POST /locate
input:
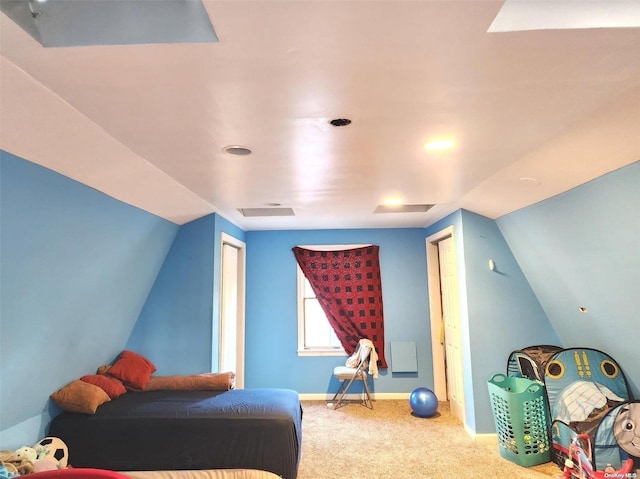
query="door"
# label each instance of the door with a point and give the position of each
(444, 312)
(231, 339)
(451, 321)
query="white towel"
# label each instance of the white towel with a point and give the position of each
(580, 398)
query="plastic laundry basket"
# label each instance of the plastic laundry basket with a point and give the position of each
(522, 419)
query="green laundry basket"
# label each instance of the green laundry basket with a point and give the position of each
(522, 419)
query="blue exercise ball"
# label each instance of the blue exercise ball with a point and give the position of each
(423, 402)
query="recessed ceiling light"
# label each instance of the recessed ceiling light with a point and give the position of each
(530, 181)
(237, 150)
(340, 122)
(392, 201)
(439, 145)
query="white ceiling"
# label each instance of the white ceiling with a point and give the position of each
(147, 123)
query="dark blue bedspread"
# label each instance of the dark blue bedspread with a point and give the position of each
(169, 430)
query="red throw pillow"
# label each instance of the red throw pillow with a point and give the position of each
(132, 369)
(113, 387)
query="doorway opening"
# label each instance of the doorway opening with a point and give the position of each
(232, 308)
(446, 337)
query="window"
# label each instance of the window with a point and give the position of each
(315, 335)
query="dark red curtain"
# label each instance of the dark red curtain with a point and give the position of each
(347, 285)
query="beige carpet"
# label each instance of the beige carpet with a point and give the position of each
(388, 442)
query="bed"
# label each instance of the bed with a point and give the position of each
(208, 474)
(90, 473)
(187, 430)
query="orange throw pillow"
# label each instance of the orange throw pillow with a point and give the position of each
(79, 396)
(132, 369)
(113, 387)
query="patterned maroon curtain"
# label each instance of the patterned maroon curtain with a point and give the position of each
(347, 285)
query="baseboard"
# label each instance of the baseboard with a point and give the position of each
(374, 396)
(482, 438)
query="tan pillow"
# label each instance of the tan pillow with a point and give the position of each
(195, 382)
(80, 396)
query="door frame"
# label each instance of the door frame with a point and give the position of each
(226, 239)
(435, 313)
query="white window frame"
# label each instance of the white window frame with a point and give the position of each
(303, 350)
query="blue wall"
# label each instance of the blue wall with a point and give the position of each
(271, 310)
(503, 309)
(77, 266)
(178, 326)
(499, 311)
(582, 249)
(175, 323)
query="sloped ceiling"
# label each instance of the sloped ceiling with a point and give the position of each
(532, 113)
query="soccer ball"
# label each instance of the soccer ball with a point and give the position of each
(54, 449)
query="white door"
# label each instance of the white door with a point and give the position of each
(231, 340)
(451, 321)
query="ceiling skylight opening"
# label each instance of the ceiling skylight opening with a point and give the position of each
(440, 144)
(75, 23)
(525, 15)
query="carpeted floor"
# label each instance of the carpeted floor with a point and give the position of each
(388, 442)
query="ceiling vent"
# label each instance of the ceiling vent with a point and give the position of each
(257, 212)
(403, 208)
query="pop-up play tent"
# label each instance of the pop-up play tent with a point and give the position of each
(594, 421)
